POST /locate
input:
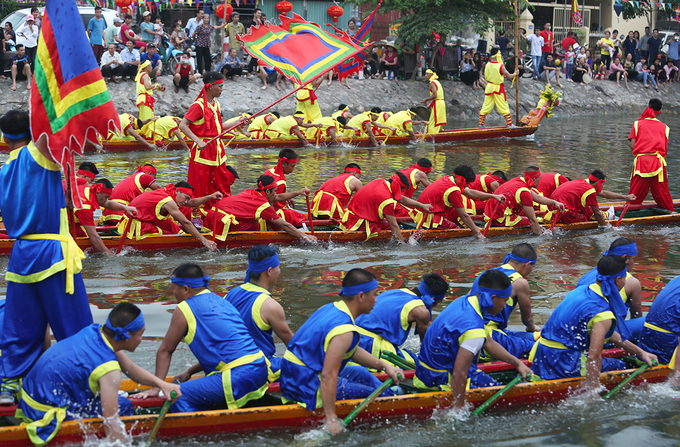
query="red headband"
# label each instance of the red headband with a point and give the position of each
(172, 190)
(460, 180)
(87, 174)
(99, 188)
(425, 170)
(352, 171)
(530, 176)
(498, 179)
(396, 187)
(147, 170)
(272, 185)
(203, 94)
(599, 181)
(648, 113)
(187, 191)
(279, 166)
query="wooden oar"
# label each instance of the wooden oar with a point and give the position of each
(491, 219)
(309, 215)
(124, 235)
(161, 416)
(636, 373)
(557, 217)
(623, 213)
(498, 395)
(386, 384)
(400, 362)
(215, 223)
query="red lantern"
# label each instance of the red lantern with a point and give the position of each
(220, 11)
(283, 7)
(123, 5)
(335, 11)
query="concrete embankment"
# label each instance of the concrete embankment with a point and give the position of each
(463, 103)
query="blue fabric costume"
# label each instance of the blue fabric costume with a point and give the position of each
(460, 321)
(303, 361)
(236, 370)
(248, 299)
(44, 284)
(662, 325)
(561, 352)
(64, 383)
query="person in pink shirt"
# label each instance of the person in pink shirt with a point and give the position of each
(616, 72)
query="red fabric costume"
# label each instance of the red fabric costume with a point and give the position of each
(289, 215)
(577, 196)
(85, 215)
(124, 192)
(509, 213)
(247, 211)
(481, 183)
(549, 183)
(150, 220)
(369, 207)
(410, 189)
(444, 195)
(332, 197)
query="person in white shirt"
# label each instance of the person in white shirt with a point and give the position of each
(130, 57)
(27, 35)
(193, 23)
(111, 64)
(537, 43)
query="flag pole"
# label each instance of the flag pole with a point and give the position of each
(517, 61)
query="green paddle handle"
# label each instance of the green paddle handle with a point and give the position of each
(161, 416)
(398, 361)
(636, 373)
(498, 395)
(386, 384)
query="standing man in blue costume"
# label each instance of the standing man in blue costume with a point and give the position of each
(572, 340)
(661, 329)
(448, 355)
(631, 293)
(389, 323)
(61, 388)
(517, 265)
(314, 372)
(235, 368)
(44, 284)
(261, 313)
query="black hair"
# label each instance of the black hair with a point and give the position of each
(149, 165)
(494, 279)
(342, 120)
(436, 284)
(414, 110)
(211, 76)
(655, 104)
(656, 29)
(532, 168)
(525, 250)
(276, 114)
(376, 110)
(424, 163)
(357, 276)
(121, 315)
(620, 241)
(18, 46)
(501, 33)
(260, 253)
(175, 25)
(257, 9)
(89, 167)
(610, 265)
(265, 180)
(96, 8)
(106, 183)
(299, 113)
(199, 11)
(353, 165)
(128, 16)
(500, 175)
(34, 9)
(188, 270)
(402, 177)
(342, 106)
(494, 51)
(287, 153)
(466, 172)
(233, 171)
(15, 122)
(10, 26)
(598, 174)
(615, 31)
(184, 184)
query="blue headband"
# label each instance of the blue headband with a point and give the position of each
(425, 291)
(19, 136)
(484, 294)
(514, 257)
(123, 333)
(191, 282)
(616, 304)
(359, 288)
(261, 266)
(623, 250)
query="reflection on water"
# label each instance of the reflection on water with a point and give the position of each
(311, 276)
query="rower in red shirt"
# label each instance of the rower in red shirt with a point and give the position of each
(487, 183)
(92, 197)
(446, 196)
(376, 201)
(128, 189)
(283, 203)
(85, 175)
(580, 199)
(649, 142)
(549, 182)
(202, 122)
(331, 199)
(157, 209)
(417, 175)
(250, 211)
(518, 209)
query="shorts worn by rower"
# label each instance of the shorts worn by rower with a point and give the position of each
(235, 368)
(448, 354)
(163, 130)
(314, 371)
(59, 389)
(333, 196)
(129, 188)
(283, 201)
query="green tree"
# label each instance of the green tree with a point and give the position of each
(7, 7)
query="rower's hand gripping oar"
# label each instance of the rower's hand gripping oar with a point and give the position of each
(623, 213)
(636, 373)
(362, 406)
(498, 395)
(161, 416)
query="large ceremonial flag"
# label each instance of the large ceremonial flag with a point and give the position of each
(299, 50)
(356, 64)
(69, 98)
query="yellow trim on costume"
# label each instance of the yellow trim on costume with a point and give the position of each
(657, 328)
(408, 307)
(288, 355)
(472, 333)
(474, 301)
(585, 196)
(379, 343)
(343, 307)
(58, 413)
(225, 370)
(658, 172)
(671, 365)
(191, 322)
(338, 330)
(39, 158)
(602, 316)
(100, 371)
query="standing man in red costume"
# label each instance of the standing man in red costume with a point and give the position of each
(518, 209)
(128, 189)
(283, 202)
(494, 73)
(208, 172)
(332, 198)
(649, 142)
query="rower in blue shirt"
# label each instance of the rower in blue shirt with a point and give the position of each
(448, 355)
(235, 368)
(261, 313)
(79, 378)
(632, 290)
(314, 372)
(517, 265)
(572, 340)
(662, 324)
(396, 311)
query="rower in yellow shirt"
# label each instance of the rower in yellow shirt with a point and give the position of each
(330, 127)
(260, 125)
(403, 122)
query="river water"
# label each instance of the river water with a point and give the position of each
(311, 276)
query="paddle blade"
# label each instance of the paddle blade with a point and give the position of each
(498, 395)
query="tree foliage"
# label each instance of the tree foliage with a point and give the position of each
(7, 7)
(631, 11)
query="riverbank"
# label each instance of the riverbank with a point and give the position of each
(463, 103)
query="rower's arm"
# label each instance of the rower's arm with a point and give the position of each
(633, 349)
(421, 177)
(598, 333)
(598, 215)
(96, 240)
(338, 346)
(286, 196)
(421, 317)
(109, 384)
(495, 350)
(394, 228)
(614, 195)
(198, 201)
(521, 289)
(154, 186)
(364, 358)
(173, 210)
(459, 377)
(117, 206)
(406, 201)
(301, 137)
(290, 229)
(634, 294)
(355, 184)
(467, 220)
(180, 138)
(140, 138)
(140, 375)
(481, 195)
(546, 201)
(369, 132)
(272, 313)
(531, 215)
